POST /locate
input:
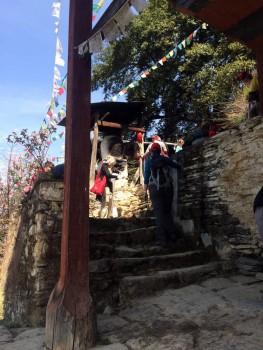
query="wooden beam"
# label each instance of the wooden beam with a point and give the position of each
(120, 126)
(94, 153)
(113, 8)
(259, 56)
(70, 316)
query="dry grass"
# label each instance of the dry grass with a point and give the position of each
(235, 112)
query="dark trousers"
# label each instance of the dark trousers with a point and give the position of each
(162, 206)
(253, 109)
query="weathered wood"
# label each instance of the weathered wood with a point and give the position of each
(135, 178)
(141, 163)
(260, 79)
(111, 200)
(120, 126)
(94, 153)
(167, 143)
(70, 317)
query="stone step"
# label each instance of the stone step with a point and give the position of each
(148, 265)
(136, 286)
(129, 238)
(100, 250)
(97, 225)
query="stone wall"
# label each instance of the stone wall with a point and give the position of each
(216, 189)
(33, 269)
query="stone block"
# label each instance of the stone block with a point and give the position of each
(99, 266)
(187, 226)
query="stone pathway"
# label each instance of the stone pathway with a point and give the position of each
(221, 313)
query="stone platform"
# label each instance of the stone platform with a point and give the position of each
(218, 314)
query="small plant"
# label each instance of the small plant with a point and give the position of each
(35, 145)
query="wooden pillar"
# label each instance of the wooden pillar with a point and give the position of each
(141, 160)
(94, 151)
(70, 316)
(259, 57)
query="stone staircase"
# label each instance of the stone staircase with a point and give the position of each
(126, 264)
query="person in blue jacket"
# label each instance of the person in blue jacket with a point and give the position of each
(158, 181)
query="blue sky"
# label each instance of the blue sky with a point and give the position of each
(27, 46)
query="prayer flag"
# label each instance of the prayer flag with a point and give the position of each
(124, 16)
(56, 12)
(111, 31)
(139, 5)
(59, 61)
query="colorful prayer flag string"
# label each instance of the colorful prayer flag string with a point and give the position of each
(170, 54)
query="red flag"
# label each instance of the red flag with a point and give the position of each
(49, 112)
(60, 91)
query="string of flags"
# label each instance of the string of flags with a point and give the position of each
(171, 54)
(114, 28)
(59, 85)
(58, 159)
(52, 118)
(96, 8)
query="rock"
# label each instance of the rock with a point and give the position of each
(206, 239)
(5, 335)
(249, 261)
(116, 346)
(109, 310)
(126, 251)
(107, 323)
(259, 276)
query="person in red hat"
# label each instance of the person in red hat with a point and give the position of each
(251, 92)
(156, 139)
(139, 137)
(158, 181)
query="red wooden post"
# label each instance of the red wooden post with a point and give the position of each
(70, 316)
(259, 57)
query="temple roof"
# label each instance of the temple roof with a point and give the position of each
(239, 20)
(118, 112)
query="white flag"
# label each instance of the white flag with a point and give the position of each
(56, 27)
(59, 46)
(83, 48)
(56, 5)
(111, 31)
(56, 12)
(59, 61)
(124, 16)
(95, 43)
(139, 5)
(57, 74)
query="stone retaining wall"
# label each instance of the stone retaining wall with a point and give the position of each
(216, 190)
(218, 185)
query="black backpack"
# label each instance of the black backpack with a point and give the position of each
(160, 176)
